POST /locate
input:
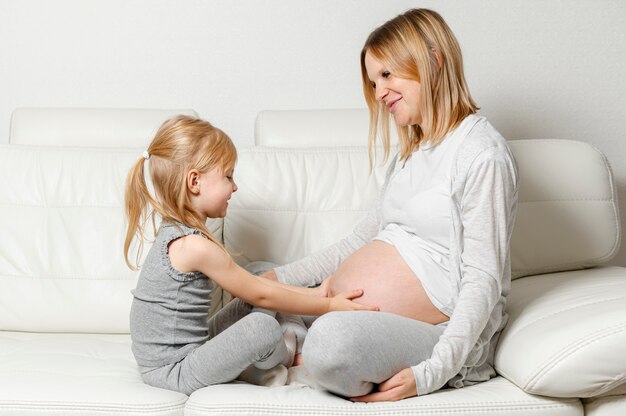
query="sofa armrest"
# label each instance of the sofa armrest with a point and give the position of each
(566, 335)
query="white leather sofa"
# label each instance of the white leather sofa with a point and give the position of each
(65, 291)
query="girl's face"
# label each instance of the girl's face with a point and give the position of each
(399, 95)
(215, 188)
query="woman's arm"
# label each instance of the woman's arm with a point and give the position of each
(488, 207)
(487, 211)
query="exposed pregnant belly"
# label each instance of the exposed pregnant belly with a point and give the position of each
(387, 282)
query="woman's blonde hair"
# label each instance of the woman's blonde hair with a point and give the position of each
(418, 45)
(181, 144)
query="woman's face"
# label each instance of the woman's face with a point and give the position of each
(399, 95)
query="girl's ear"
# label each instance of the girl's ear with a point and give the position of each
(193, 182)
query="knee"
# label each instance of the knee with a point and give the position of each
(333, 357)
(327, 349)
(263, 327)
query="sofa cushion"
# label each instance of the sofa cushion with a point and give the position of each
(312, 128)
(292, 202)
(567, 217)
(77, 374)
(496, 397)
(566, 335)
(61, 253)
(605, 406)
(95, 127)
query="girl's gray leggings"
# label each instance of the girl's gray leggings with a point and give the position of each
(239, 338)
(348, 352)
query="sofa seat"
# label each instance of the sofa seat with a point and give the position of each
(95, 374)
(76, 374)
(494, 398)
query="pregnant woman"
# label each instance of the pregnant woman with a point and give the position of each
(433, 254)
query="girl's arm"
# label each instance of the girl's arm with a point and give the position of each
(195, 253)
(309, 291)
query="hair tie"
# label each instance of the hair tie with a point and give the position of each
(146, 155)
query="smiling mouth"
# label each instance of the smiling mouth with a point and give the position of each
(392, 105)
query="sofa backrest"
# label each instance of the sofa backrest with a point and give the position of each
(292, 202)
(92, 127)
(62, 222)
(61, 216)
(296, 199)
(314, 128)
(567, 216)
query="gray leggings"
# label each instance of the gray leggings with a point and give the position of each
(239, 338)
(348, 352)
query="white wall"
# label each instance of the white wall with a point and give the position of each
(537, 68)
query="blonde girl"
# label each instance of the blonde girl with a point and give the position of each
(176, 345)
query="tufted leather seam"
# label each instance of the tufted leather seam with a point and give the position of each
(121, 279)
(550, 201)
(563, 267)
(89, 406)
(297, 211)
(608, 399)
(457, 408)
(615, 383)
(577, 306)
(299, 151)
(117, 375)
(557, 358)
(50, 206)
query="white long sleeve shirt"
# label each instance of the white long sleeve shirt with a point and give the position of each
(416, 217)
(483, 200)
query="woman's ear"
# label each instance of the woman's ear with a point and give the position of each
(193, 181)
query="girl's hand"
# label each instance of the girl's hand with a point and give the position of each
(343, 302)
(399, 386)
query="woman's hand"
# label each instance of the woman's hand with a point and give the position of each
(400, 386)
(270, 274)
(343, 302)
(323, 289)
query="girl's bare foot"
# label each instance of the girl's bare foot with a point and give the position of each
(298, 360)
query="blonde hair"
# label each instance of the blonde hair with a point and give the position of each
(418, 45)
(181, 144)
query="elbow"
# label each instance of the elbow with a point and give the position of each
(262, 297)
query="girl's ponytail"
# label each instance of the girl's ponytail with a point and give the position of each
(136, 200)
